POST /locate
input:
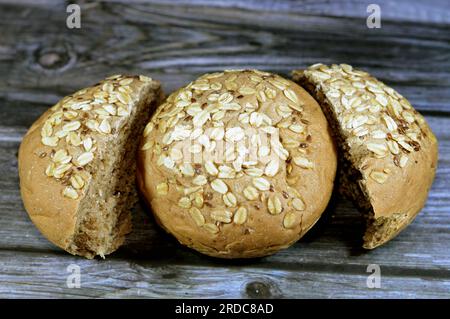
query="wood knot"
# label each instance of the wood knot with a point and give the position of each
(54, 58)
(50, 60)
(256, 289)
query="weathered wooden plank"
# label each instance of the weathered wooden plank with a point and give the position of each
(177, 43)
(434, 11)
(38, 275)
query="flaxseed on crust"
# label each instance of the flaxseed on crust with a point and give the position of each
(388, 152)
(237, 163)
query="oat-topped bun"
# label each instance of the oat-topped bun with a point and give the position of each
(238, 163)
(77, 164)
(389, 154)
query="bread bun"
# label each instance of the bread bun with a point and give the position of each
(388, 152)
(77, 164)
(237, 164)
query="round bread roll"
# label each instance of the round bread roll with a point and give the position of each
(77, 164)
(388, 152)
(237, 164)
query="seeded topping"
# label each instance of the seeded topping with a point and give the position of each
(261, 183)
(240, 216)
(197, 216)
(223, 216)
(74, 125)
(84, 159)
(50, 140)
(70, 192)
(219, 186)
(229, 199)
(371, 116)
(185, 202)
(290, 220)
(298, 204)
(251, 193)
(211, 228)
(379, 177)
(274, 205)
(303, 162)
(77, 181)
(162, 189)
(225, 137)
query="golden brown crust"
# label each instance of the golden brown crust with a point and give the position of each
(241, 208)
(398, 201)
(54, 179)
(53, 214)
(384, 138)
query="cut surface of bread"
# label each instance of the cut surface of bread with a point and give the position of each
(388, 153)
(77, 164)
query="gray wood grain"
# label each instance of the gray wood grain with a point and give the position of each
(29, 275)
(175, 41)
(432, 11)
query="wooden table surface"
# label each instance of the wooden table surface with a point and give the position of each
(41, 60)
